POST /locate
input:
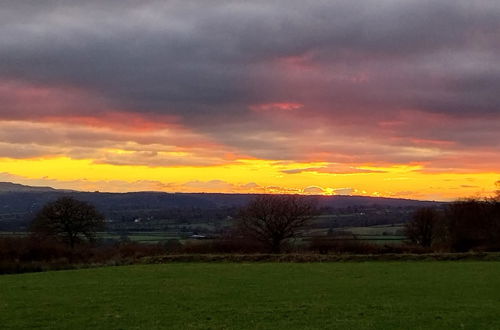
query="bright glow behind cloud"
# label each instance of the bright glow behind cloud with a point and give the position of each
(378, 97)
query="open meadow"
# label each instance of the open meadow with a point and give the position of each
(343, 295)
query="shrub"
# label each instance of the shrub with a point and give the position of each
(325, 245)
(225, 245)
(20, 254)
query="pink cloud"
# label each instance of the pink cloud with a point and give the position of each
(278, 106)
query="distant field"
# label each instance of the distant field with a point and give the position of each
(141, 237)
(382, 234)
(369, 295)
(12, 234)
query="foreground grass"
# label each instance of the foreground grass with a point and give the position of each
(365, 295)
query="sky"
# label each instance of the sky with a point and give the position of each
(394, 98)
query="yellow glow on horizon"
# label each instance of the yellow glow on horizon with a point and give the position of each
(405, 181)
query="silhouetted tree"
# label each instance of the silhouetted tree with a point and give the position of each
(422, 228)
(69, 220)
(274, 219)
(471, 224)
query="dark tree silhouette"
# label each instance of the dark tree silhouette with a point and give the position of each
(421, 229)
(274, 219)
(69, 220)
(471, 224)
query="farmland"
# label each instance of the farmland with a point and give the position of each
(381, 234)
(349, 295)
(159, 217)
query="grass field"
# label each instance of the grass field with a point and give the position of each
(152, 237)
(384, 234)
(369, 295)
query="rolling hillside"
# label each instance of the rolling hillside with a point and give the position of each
(18, 203)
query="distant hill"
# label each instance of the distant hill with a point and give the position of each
(18, 203)
(178, 200)
(15, 187)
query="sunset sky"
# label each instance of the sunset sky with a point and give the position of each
(378, 98)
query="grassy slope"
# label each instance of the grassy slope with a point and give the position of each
(370, 295)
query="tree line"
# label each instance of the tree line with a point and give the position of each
(461, 226)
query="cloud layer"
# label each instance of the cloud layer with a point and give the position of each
(197, 83)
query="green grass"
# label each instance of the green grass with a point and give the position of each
(13, 234)
(140, 237)
(375, 230)
(370, 295)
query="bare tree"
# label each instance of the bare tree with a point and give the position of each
(275, 219)
(68, 219)
(421, 229)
